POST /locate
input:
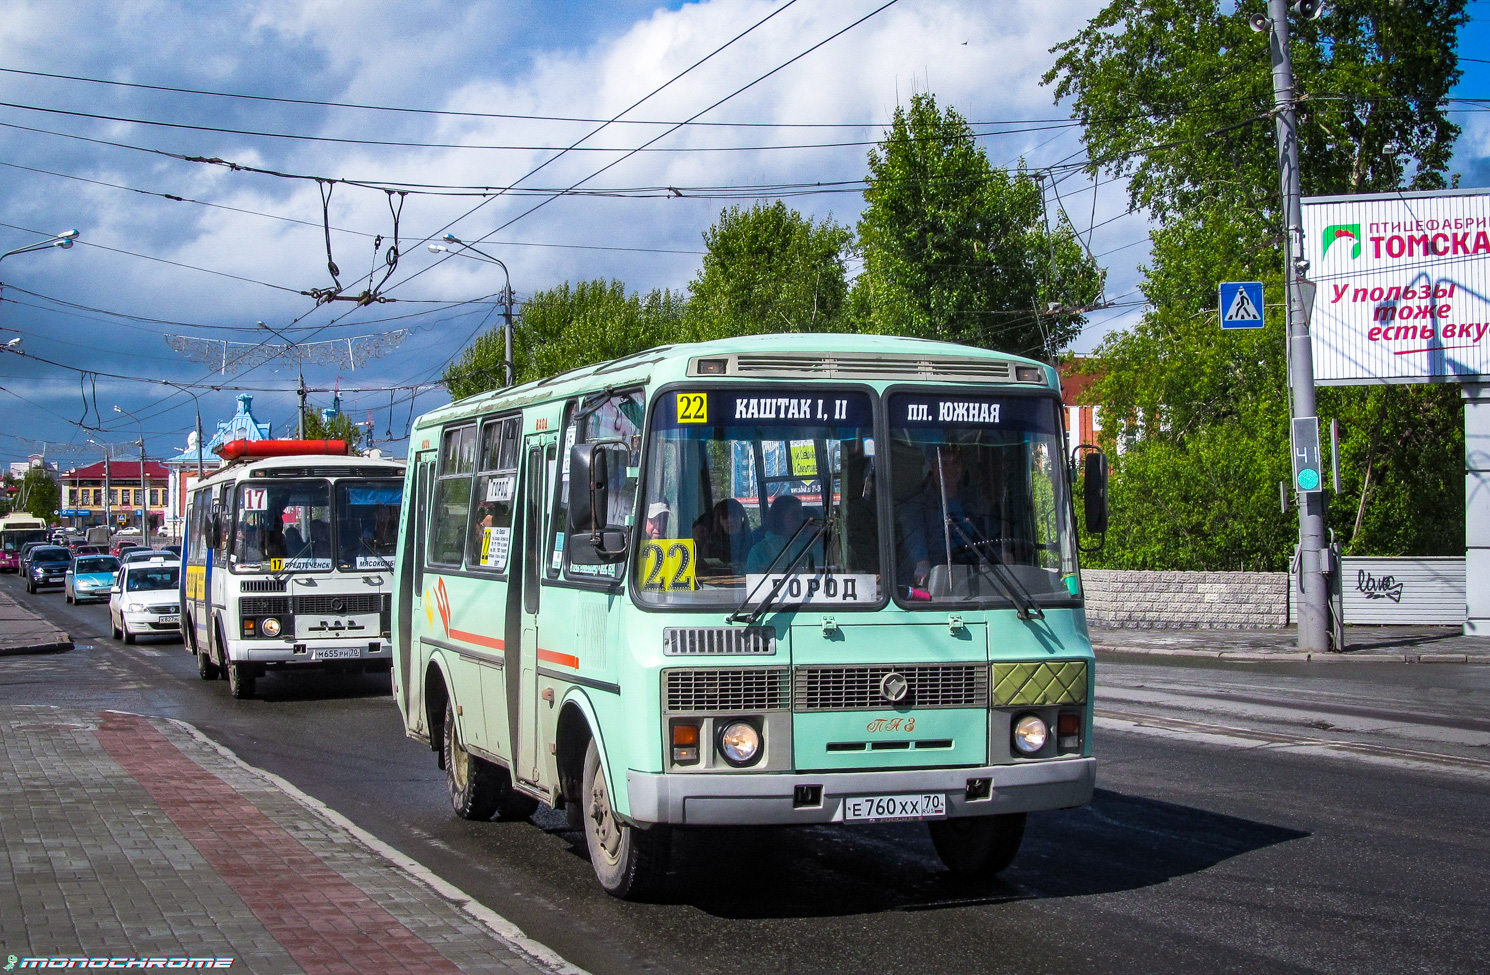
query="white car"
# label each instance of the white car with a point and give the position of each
(146, 599)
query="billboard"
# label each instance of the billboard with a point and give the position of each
(1404, 287)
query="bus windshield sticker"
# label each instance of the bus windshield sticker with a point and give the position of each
(494, 546)
(812, 588)
(501, 488)
(970, 412)
(804, 458)
(374, 562)
(668, 565)
(255, 499)
(299, 565)
(693, 407)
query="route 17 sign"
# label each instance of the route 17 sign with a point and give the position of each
(1241, 304)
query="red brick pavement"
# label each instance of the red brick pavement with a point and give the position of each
(328, 925)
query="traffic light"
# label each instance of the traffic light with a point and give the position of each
(1307, 473)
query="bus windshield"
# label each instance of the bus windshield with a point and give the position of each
(367, 523)
(13, 538)
(746, 486)
(977, 487)
(289, 520)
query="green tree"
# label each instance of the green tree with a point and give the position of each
(1175, 96)
(41, 494)
(339, 427)
(565, 327)
(769, 269)
(957, 250)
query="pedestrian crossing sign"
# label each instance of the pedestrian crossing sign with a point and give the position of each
(1241, 304)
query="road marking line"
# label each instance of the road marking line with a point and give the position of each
(1230, 737)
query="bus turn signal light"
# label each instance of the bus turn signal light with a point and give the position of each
(1068, 732)
(685, 744)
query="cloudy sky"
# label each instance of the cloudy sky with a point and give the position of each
(201, 215)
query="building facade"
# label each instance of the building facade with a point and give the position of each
(110, 492)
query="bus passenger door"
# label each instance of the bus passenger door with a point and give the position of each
(408, 650)
(522, 673)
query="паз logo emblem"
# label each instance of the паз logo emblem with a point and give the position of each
(894, 687)
(1342, 231)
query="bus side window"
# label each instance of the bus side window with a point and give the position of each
(489, 535)
(557, 525)
(452, 503)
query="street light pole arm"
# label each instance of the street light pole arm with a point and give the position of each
(63, 240)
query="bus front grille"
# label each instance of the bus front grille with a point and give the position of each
(264, 585)
(264, 606)
(342, 604)
(910, 367)
(719, 689)
(687, 641)
(850, 688)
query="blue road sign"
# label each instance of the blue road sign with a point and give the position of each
(1241, 304)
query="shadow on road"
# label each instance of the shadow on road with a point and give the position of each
(1119, 842)
(317, 685)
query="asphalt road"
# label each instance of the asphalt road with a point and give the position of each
(1279, 818)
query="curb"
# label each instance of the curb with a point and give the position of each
(58, 646)
(1295, 656)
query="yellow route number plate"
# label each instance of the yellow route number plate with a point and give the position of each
(276, 565)
(693, 407)
(668, 565)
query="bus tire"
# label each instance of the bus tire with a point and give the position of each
(241, 679)
(978, 846)
(475, 785)
(206, 668)
(513, 806)
(629, 862)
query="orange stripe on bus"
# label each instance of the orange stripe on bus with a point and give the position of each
(479, 640)
(554, 657)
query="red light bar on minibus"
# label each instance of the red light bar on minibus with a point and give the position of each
(236, 449)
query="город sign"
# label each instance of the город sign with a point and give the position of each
(1404, 286)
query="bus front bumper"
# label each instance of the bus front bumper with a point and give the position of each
(306, 653)
(770, 799)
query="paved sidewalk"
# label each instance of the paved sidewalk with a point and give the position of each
(22, 631)
(1400, 644)
(134, 837)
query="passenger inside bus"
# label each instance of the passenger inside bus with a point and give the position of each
(723, 535)
(783, 520)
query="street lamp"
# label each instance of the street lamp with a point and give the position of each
(509, 371)
(63, 240)
(108, 487)
(144, 481)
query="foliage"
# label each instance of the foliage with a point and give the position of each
(1175, 96)
(41, 493)
(566, 327)
(957, 250)
(339, 427)
(768, 269)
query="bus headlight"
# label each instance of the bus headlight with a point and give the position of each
(270, 627)
(740, 743)
(1030, 734)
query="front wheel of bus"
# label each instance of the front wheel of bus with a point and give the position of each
(475, 785)
(978, 846)
(629, 862)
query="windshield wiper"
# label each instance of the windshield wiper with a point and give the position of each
(770, 597)
(1025, 606)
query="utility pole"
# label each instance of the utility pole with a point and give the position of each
(1313, 561)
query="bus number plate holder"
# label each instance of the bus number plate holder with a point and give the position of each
(880, 809)
(338, 653)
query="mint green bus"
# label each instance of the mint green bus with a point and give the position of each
(775, 580)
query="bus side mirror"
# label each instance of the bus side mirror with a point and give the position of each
(589, 488)
(1094, 470)
(589, 541)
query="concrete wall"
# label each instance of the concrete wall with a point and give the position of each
(1185, 599)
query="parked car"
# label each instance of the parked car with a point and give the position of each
(144, 599)
(119, 542)
(25, 550)
(89, 578)
(45, 566)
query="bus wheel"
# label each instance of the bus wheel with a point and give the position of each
(629, 862)
(977, 846)
(241, 679)
(513, 806)
(206, 669)
(476, 786)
